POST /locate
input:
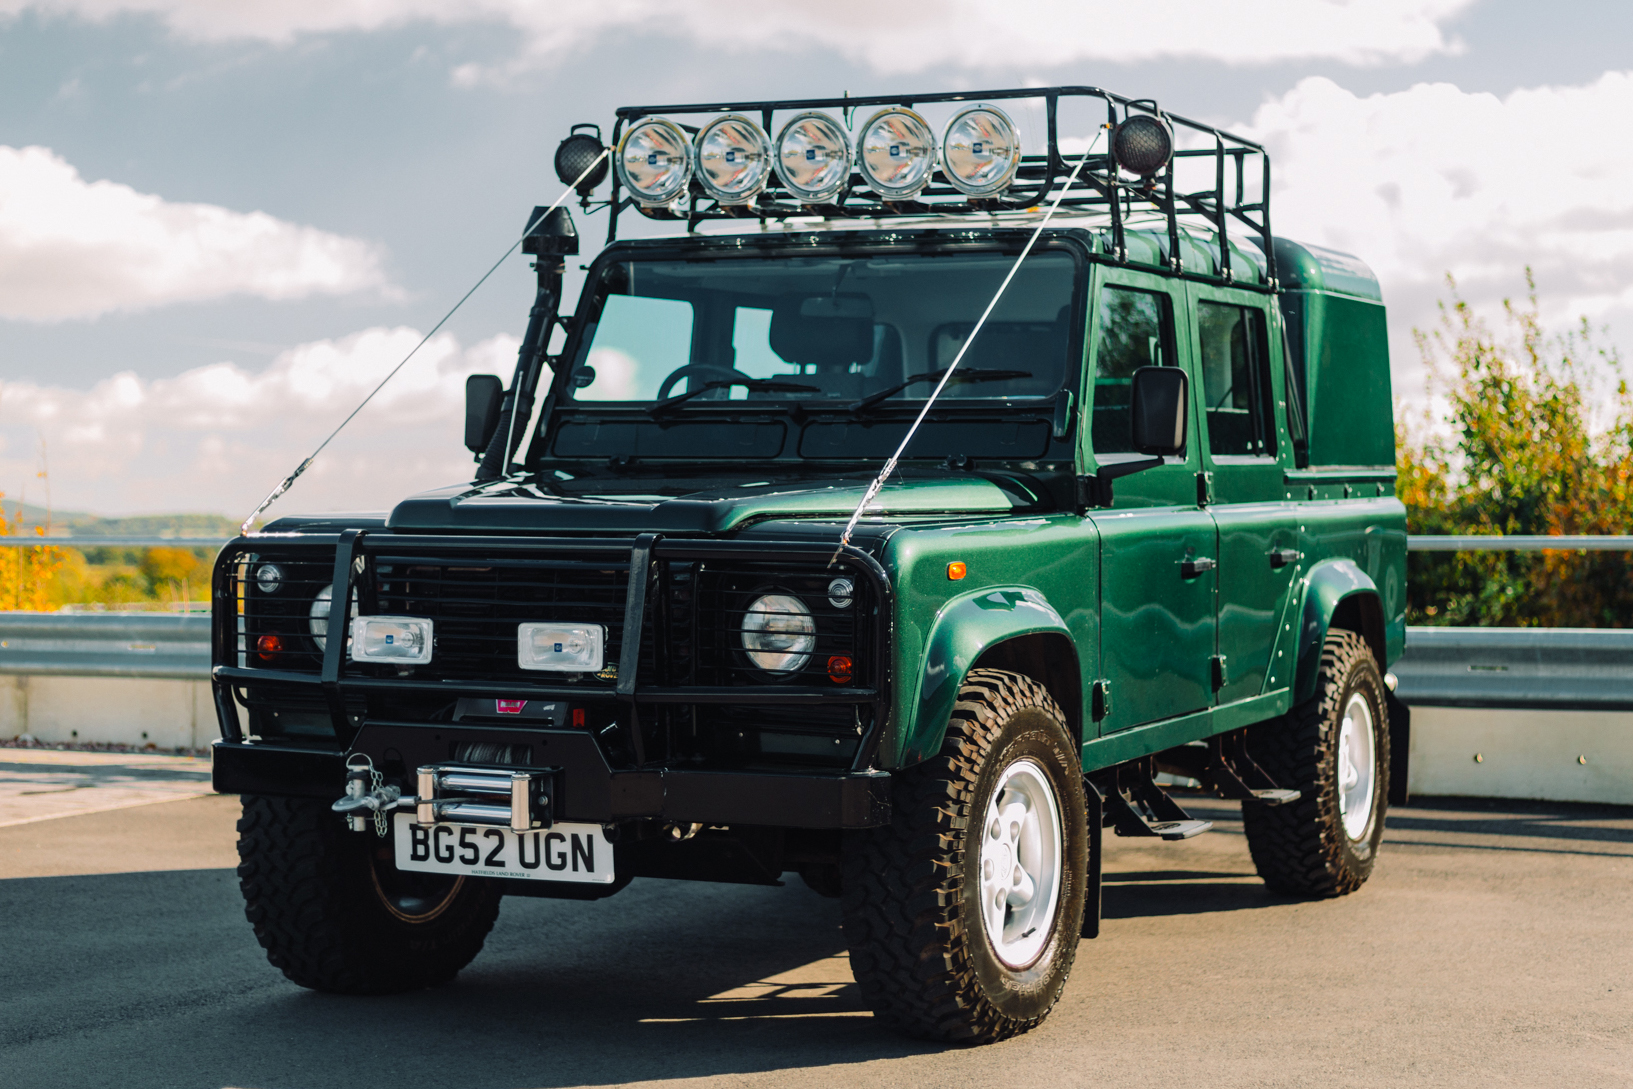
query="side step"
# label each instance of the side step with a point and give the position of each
(1224, 765)
(1137, 806)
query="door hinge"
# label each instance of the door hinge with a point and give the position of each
(1100, 700)
(1204, 489)
(1221, 676)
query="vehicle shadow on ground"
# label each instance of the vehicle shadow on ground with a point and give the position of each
(154, 979)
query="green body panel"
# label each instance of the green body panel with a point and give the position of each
(1181, 659)
(1022, 576)
(1340, 346)
(965, 628)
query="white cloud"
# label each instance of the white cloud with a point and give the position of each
(74, 249)
(219, 437)
(1433, 180)
(889, 38)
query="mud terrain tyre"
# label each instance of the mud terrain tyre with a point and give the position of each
(962, 914)
(334, 914)
(1335, 749)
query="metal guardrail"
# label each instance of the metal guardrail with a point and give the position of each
(159, 646)
(1473, 542)
(1464, 542)
(1575, 669)
(1559, 668)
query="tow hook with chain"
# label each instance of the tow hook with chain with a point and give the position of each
(365, 790)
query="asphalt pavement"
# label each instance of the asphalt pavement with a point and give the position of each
(1491, 948)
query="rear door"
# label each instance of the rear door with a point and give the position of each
(1157, 543)
(1244, 445)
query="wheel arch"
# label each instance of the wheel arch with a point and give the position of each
(1337, 594)
(1000, 627)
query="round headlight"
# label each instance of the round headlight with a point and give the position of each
(778, 633)
(896, 153)
(733, 159)
(980, 151)
(1142, 144)
(268, 577)
(655, 162)
(318, 615)
(813, 158)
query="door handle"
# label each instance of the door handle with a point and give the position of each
(1281, 557)
(1197, 565)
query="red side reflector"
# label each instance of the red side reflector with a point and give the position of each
(840, 669)
(578, 716)
(269, 646)
(509, 707)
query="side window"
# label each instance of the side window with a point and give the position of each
(1236, 380)
(637, 342)
(1136, 329)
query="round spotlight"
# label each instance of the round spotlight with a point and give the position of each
(574, 156)
(896, 153)
(980, 151)
(655, 162)
(1142, 144)
(813, 158)
(733, 159)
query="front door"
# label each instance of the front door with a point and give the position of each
(1157, 543)
(1245, 443)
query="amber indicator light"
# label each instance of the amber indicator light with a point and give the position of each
(269, 646)
(956, 570)
(840, 669)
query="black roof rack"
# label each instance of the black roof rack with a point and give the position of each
(1100, 188)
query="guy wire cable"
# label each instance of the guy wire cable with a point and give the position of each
(890, 466)
(273, 496)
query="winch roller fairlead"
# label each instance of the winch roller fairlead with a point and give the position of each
(452, 794)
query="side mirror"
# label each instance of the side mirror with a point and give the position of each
(483, 395)
(1159, 410)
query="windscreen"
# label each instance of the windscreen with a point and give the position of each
(829, 329)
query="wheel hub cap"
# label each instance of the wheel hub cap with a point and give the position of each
(1357, 767)
(1020, 863)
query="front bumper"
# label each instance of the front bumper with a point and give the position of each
(590, 791)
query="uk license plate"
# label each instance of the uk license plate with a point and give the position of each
(562, 852)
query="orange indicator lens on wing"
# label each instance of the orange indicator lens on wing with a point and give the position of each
(956, 570)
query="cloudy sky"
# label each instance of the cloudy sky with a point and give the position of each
(220, 223)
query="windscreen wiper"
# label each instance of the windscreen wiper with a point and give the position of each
(968, 374)
(755, 385)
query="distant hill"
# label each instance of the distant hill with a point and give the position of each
(80, 524)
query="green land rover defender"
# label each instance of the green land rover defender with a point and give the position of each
(1143, 532)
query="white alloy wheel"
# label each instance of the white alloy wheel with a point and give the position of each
(1020, 863)
(1357, 767)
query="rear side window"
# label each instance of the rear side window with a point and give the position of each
(1236, 380)
(1136, 329)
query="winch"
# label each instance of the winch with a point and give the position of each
(520, 799)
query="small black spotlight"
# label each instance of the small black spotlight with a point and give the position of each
(574, 156)
(1142, 144)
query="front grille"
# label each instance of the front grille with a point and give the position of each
(477, 604)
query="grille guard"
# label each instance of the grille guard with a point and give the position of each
(353, 545)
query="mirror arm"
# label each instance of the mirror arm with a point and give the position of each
(1096, 490)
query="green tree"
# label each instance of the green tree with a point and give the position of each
(1539, 440)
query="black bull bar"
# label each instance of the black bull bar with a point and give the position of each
(592, 788)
